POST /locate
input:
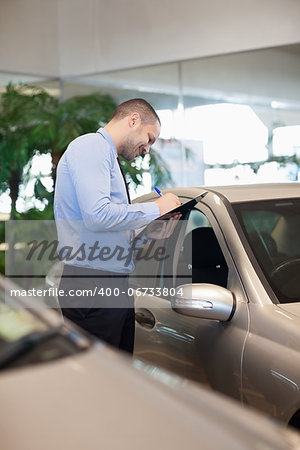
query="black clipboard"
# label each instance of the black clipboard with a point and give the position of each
(184, 208)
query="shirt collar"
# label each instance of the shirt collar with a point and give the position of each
(108, 137)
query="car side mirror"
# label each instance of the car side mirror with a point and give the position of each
(206, 301)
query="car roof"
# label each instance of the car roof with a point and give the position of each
(239, 192)
(263, 191)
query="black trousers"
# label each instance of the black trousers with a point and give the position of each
(99, 302)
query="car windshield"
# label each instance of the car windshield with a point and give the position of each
(272, 230)
(27, 339)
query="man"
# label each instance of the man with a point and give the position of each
(95, 221)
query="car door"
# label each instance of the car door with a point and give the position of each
(208, 351)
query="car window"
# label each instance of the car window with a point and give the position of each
(264, 221)
(193, 256)
(192, 252)
(196, 219)
(152, 253)
(272, 230)
(17, 324)
(200, 258)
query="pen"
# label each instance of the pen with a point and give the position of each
(158, 191)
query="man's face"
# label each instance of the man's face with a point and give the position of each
(139, 140)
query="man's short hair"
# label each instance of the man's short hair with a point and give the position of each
(145, 110)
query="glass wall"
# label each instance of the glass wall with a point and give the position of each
(225, 119)
(236, 106)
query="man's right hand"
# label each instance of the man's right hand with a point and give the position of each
(167, 202)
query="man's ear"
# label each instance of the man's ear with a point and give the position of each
(133, 119)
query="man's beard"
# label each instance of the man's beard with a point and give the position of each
(127, 149)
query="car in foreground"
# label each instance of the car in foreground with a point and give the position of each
(224, 308)
(59, 388)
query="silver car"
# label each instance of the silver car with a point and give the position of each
(60, 389)
(224, 308)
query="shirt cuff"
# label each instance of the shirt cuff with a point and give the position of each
(151, 209)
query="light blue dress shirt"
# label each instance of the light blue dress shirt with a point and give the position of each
(94, 221)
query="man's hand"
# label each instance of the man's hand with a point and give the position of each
(167, 202)
(162, 229)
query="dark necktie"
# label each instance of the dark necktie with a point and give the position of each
(123, 175)
(128, 196)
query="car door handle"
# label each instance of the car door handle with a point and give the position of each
(145, 318)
